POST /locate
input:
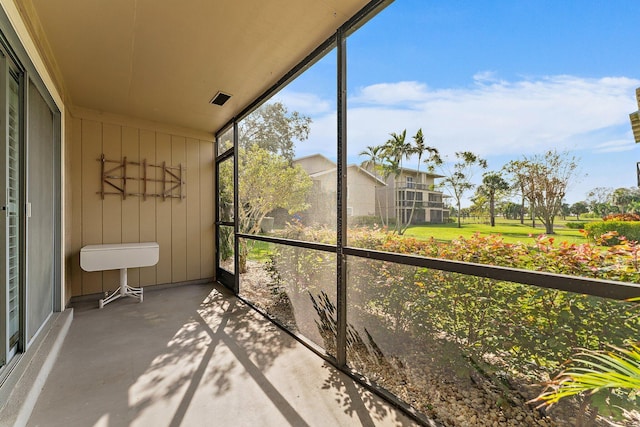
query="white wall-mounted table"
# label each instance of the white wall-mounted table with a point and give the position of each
(120, 256)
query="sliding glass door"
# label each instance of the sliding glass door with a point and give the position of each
(10, 217)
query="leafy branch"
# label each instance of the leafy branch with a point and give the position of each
(593, 371)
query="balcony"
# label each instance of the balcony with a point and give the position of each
(420, 204)
(195, 355)
(449, 337)
(192, 353)
(404, 185)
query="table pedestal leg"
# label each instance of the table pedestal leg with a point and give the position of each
(123, 291)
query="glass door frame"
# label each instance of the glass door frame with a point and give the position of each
(227, 278)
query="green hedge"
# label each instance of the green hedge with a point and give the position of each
(576, 225)
(628, 229)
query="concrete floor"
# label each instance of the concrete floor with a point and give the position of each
(195, 356)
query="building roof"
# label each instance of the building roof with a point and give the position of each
(353, 166)
(366, 172)
(311, 156)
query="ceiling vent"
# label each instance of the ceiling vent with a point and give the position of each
(220, 98)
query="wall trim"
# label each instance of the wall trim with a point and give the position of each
(147, 288)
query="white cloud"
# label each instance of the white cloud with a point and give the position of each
(494, 117)
(322, 138)
(308, 104)
(491, 117)
(485, 76)
(401, 94)
(615, 146)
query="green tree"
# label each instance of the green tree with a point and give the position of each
(579, 208)
(634, 207)
(599, 199)
(479, 204)
(547, 178)
(397, 149)
(262, 177)
(511, 210)
(457, 177)
(419, 148)
(387, 159)
(274, 129)
(624, 197)
(493, 185)
(394, 151)
(373, 163)
(518, 179)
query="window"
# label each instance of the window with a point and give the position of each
(413, 289)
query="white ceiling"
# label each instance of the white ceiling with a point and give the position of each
(163, 60)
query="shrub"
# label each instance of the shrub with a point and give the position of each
(506, 330)
(576, 225)
(590, 215)
(364, 220)
(622, 217)
(609, 233)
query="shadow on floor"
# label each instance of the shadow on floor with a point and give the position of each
(195, 355)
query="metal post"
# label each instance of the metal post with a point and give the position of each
(341, 334)
(236, 227)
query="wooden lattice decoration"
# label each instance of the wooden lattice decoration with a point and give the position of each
(172, 184)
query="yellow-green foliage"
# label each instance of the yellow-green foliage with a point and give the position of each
(591, 371)
(609, 232)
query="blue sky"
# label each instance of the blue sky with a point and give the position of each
(503, 79)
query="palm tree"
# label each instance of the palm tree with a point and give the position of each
(420, 149)
(394, 150)
(372, 160)
(492, 184)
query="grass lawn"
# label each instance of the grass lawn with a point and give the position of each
(259, 251)
(511, 231)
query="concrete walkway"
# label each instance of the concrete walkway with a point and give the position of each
(195, 356)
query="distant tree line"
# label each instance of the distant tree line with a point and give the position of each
(540, 180)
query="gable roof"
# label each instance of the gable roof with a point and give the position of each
(367, 173)
(311, 156)
(357, 168)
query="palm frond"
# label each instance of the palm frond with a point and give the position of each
(590, 371)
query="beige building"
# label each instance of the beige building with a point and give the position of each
(397, 198)
(368, 195)
(361, 187)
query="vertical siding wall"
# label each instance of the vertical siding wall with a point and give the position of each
(184, 229)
